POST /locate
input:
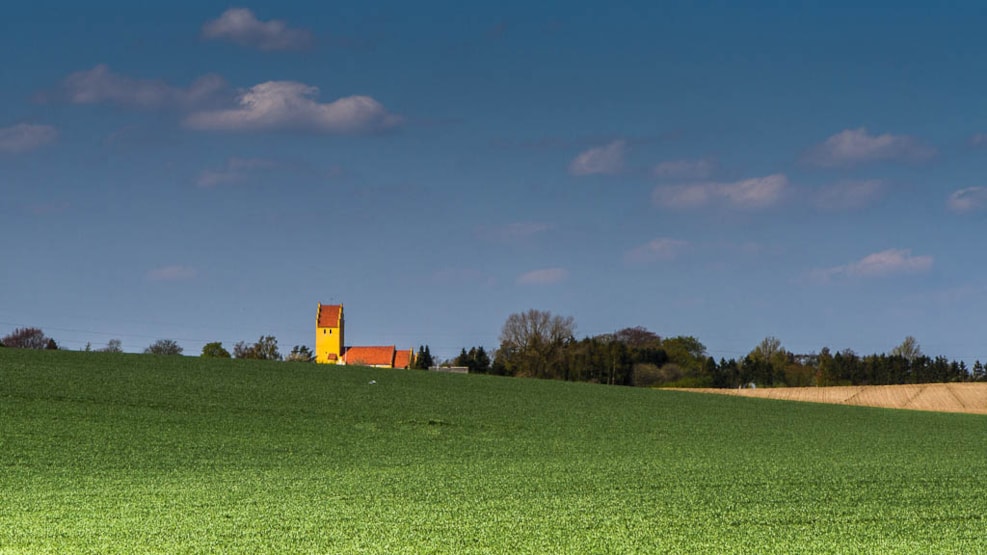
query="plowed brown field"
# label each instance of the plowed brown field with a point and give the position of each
(940, 397)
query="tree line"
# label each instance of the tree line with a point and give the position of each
(539, 344)
(265, 348)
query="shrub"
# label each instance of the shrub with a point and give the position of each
(164, 347)
(214, 350)
(266, 348)
(28, 338)
(300, 353)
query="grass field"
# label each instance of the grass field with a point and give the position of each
(105, 453)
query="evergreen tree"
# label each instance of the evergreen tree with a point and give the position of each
(424, 359)
(481, 361)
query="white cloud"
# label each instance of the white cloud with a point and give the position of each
(289, 105)
(661, 248)
(237, 170)
(172, 273)
(241, 26)
(545, 276)
(758, 192)
(879, 264)
(606, 159)
(968, 200)
(684, 169)
(101, 85)
(891, 261)
(856, 146)
(24, 137)
(846, 195)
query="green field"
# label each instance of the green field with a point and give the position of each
(106, 453)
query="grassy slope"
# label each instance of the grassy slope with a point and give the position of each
(128, 453)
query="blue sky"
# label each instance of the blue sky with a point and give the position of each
(210, 172)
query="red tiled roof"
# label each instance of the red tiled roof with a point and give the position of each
(329, 315)
(402, 359)
(370, 356)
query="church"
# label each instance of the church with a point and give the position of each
(330, 347)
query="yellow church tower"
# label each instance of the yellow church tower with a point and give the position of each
(329, 334)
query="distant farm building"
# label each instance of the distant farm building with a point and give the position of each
(330, 347)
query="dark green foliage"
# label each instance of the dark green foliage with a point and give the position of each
(164, 347)
(266, 348)
(537, 344)
(638, 337)
(424, 359)
(477, 360)
(128, 453)
(632, 356)
(214, 350)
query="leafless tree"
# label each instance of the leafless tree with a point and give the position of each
(909, 349)
(113, 346)
(531, 342)
(164, 347)
(28, 338)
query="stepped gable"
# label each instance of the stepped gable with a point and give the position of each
(329, 315)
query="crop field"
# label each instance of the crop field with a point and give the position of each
(104, 453)
(941, 397)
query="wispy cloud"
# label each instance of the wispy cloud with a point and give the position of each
(758, 192)
(970, 199)
(101, 85)
(655, 250)
(236, 170)
(512, 232)
(279, 105)
(25, 137)
(978, 139)
(241, 26)
(684, 169)
(172, 273)
(879, 264)
(607, 159)
(853, 147)
(545, 276)
(849, 195)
